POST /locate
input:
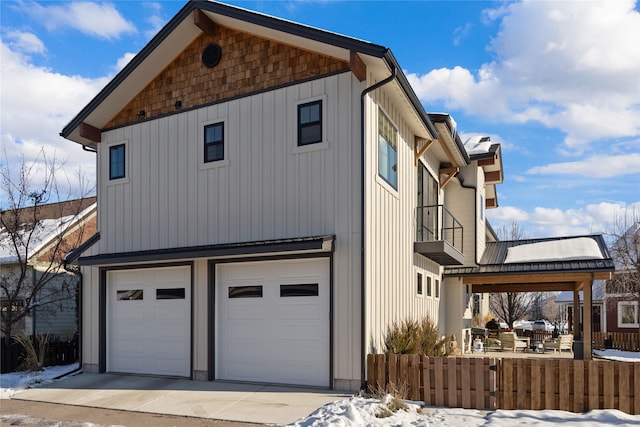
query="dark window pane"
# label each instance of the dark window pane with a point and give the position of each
(214, 142)
(245, 291)
(310, 123)
(304, 290)
(129, 295)
(428, 286)
(419, 284)
(171, 293)
(116, 161)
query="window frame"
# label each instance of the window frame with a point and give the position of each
(392, 180)
(112, 148)
(420, 285)
(319, 123)
(206, 144)
(429, 293)
(633, 304)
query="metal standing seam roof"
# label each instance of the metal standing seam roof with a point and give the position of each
(495, 253)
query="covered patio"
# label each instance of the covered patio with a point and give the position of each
(544, 265)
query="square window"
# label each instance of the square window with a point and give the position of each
(419, 284)
(310, 123)
(116, 161)
(214, 142)
(628, 314)
(387, 150)
(428, 286)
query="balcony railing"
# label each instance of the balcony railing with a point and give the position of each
(439, 235)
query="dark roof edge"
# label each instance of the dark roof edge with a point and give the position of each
(316, 244)
(75, 254)
(493, 149)
(232, 12)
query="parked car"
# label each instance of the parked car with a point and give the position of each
(542, 325)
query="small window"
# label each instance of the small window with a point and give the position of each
(245, 291)
(130, 295)
(305, 290)
(481, 208)
(628, 314)
(420, 284)
(310, 123)
(437, 288)
(171, 293)
(387, 150)
(428, 286)
(214, 142)
(116, 161)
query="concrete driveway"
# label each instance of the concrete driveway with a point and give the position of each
(265, 404)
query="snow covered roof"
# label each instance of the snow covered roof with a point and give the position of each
(44, 233)
(580, 248)
(477, 145)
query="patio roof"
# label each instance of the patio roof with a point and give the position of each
(538, 265)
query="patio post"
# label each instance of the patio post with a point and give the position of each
(587, 318)
(575, 327)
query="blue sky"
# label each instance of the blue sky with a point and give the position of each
(557, 83)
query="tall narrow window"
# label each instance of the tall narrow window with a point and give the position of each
(310, 123)
(116, 161)
(387, 150)
(428, 286)
(419, 284)
(214, 142)
(437, 288)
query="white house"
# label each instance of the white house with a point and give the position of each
(271, 197)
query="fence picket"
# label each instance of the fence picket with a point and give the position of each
(452, 382)
(438, 372)
(578, 386)
(414, 376)
(636, 389)
(466, 367)
(623, 384)
(535, 384)
(608, 380)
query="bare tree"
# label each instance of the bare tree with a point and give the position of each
(31, 255)
(624, 237)
(511, 306)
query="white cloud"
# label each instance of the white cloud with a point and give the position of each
(600, 166)
(548, 222)
(568, 65)
(35, 107)
(154, 19)
(25, 42)
(100, 20)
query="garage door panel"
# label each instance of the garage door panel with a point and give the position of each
(258, 338)
(150, 334)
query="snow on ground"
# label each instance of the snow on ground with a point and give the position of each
(619, 355)
(359, 411)
(14, 382)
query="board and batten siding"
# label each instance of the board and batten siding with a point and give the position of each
(266, 188)
(391, 265)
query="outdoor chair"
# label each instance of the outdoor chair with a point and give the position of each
(563, 342)
(511, 341)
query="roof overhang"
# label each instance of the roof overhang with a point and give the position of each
(305, 245)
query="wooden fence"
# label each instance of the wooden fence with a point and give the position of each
(455, 382)
(494, 383)
(626, 341)
(57, 353)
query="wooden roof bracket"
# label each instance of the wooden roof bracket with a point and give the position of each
(92, 133)
(357, 66)
(417, 153)
(451, 172)
(202, 21)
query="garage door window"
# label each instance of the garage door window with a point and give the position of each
(245, 291)
(304, 290)
(130, 295)
(171, 293)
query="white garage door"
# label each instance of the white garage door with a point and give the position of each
(149, 321)
(272, 322)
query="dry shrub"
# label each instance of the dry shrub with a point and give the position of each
(34, 353)
(414, 337)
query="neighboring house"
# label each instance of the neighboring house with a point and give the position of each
(61, 227)
(271, 198)
(615, 301)
(600, 322)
